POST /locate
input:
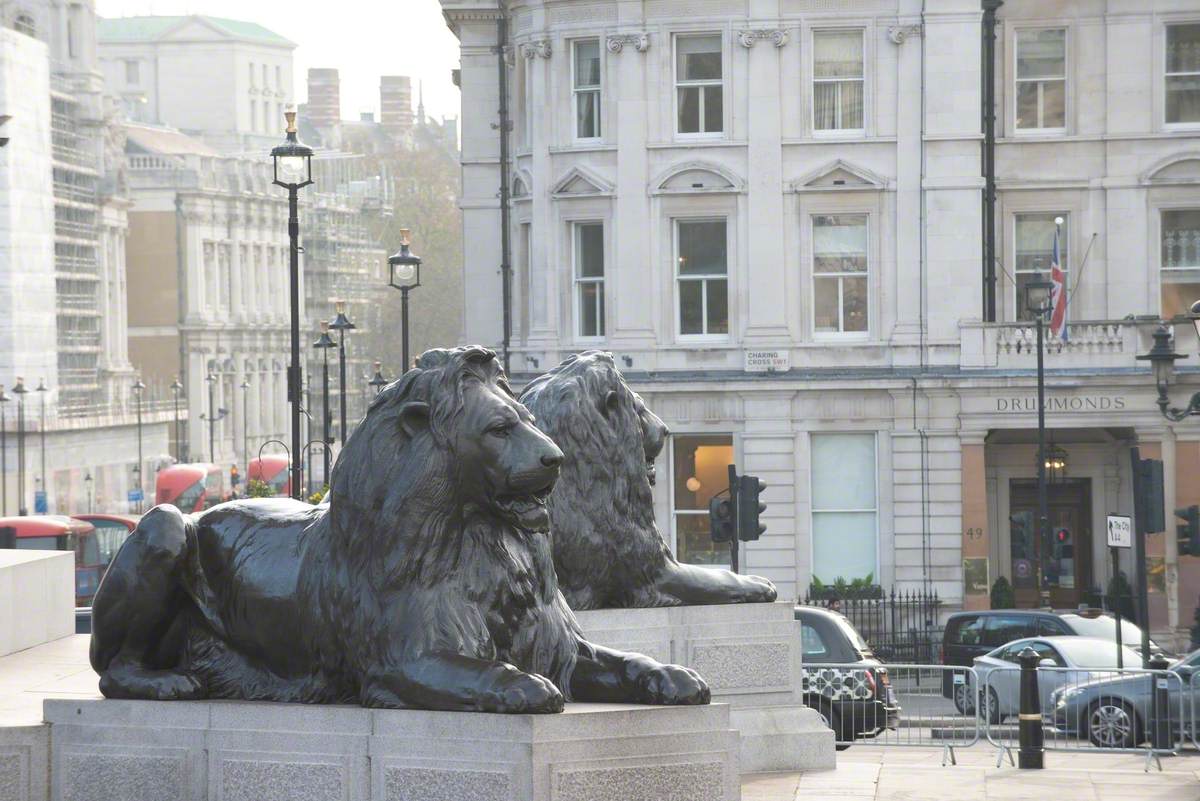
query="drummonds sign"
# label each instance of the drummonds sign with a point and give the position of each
(1062, 403)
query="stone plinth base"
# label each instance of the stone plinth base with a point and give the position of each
(239, 751)
(750, 656)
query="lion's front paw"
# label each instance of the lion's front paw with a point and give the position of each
(757, 590)
(672, 685)
(522, 693)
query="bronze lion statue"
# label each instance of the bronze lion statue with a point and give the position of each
(426, 581)
(608, 551)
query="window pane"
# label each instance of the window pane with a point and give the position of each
(693, 542)
(590, 262)
(1183, 98)
(589, 318)
(1181, 238)
(854, 304)
(587, 64)
(825, 304)
(840, 243)
(702, 248)
(843, 545)
(1054, 104)
(587, 115)
(825, 106)
(714, 121)
(718, 307)
(1035, 241)
(852, 104)
(689, 110)
(691, 311)
(838, 54)
(698, 58)
(701, 463)
(843, 471)
(1042, 54)
(1183, 48)
(1027, 104)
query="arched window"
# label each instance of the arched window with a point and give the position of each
(25, 24)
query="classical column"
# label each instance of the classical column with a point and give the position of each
(907, 289)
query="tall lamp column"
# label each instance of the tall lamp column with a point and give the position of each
(377, 381)
(20, 390)
(41, 389)
(1037, 300)
(138, 388)
(341, 323)
(4, 398)
(213, 417)
(293, 171)
(324, 343)
(404, 273)
(245, 387)
(176, 389)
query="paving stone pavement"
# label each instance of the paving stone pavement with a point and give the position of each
(865, 773)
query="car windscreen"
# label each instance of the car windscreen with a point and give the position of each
(1087, 652)
(1105, 628)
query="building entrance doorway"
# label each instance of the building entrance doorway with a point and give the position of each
(1062, 557)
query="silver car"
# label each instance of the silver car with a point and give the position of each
(999, 673)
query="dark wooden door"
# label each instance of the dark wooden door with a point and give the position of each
(1063, 556)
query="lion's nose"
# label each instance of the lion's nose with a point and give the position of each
(553, 459)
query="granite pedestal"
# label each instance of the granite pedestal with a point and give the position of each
(750, 656)
(239, 751)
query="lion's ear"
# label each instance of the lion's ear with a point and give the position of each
(414, 417)
(610, 401)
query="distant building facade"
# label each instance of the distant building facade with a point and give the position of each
(775, 221)
(324, 103)
(395, 105)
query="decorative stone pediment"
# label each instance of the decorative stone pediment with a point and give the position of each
(522, 184)
(840, 175)
(696, 177)
(582, 182)
(1181, 168)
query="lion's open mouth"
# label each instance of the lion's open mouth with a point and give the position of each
(527, 510)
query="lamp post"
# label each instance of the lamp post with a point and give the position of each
(1162, 358)
(377, 380)
(87, 480)
(245, 387)
(293, 171)
(404, 273)
(213, 417)
(1037, 300)
(138, 388)
(324, 343)
(41, 389)
(341, 323)
(4, 398)
(20, 390)
(176, 389)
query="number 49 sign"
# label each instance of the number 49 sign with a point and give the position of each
(1120, 531)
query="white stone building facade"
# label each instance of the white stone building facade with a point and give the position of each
(708, 188)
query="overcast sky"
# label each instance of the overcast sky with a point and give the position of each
(363, 39)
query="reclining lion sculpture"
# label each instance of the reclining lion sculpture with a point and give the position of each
(426, 581)
(608, 551)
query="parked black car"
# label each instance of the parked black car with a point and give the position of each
(855, 702)
(971, 634)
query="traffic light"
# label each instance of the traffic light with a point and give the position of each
(720, 519)
(1148, 495)
(749, 507)
(1189, 530)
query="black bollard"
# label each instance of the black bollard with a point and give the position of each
(1160, 705)
(1032, 753)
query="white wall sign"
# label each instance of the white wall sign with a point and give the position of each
(767, 361)
(1120, 531)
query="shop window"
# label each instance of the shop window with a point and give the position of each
(1180, 260)
(586, 86)
(699, 84)
(1034, 250)
(701, 470)
(1182, 74)
(1041, 89)
(589, 279)
(845, 515)
(838, 81)
(840, 274)
(702, 271)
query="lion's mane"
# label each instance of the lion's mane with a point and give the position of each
(601, 509)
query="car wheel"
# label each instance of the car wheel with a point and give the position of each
(833, 720)
(991, 706)
(1112, 723)
(964, 699)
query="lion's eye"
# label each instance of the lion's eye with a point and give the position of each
(500, 430)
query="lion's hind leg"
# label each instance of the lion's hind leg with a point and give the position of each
(138, 615)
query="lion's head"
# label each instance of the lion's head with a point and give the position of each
(448, 435)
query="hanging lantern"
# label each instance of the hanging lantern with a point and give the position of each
(1056, 464)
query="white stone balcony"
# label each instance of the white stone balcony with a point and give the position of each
(1091, 344)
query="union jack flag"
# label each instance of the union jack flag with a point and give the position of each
(1058, 296)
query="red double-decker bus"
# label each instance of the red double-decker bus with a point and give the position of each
(191, 487)
(272, 470)
(59, 533)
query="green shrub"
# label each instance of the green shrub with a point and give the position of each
(1003, 596)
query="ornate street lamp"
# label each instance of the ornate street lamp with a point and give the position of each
(1162, 358)
(1038, 293)
(404, 273)
(377, 380)
(4, 398)
(87, 480)
(324, 343)
(341, 323)
(245, 387)
(138, 388)
(20, 390)
(41, 389)
(176, 389)
(293, 171)
(213, 417)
